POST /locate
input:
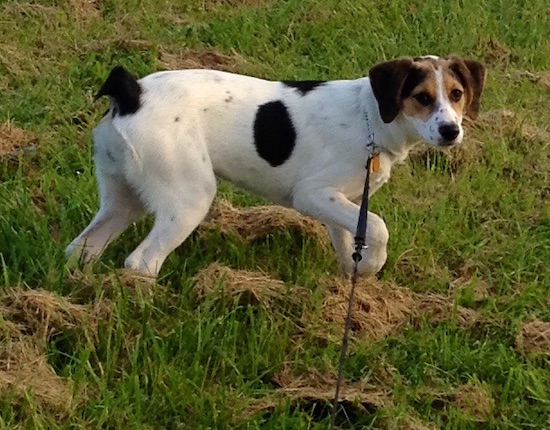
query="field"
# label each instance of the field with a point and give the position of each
(243, 327)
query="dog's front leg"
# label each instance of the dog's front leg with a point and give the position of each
(340, 216)
(373, 257)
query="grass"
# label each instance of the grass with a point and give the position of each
(477, 216)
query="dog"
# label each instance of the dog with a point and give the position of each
(300, 144)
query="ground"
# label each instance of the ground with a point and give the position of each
(242, 329)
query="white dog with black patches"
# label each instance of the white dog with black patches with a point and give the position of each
(299, 144)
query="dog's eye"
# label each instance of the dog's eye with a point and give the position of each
(424, 99)
(456, 95)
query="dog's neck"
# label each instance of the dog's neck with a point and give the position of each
(393, 138)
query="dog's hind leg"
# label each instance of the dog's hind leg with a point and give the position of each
(119, 207)
(179, 206)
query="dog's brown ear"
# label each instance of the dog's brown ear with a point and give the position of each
(472, 77)
(387, 81)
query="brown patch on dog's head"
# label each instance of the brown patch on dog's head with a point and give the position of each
(471, 75)
(410, 85)
(387, 80)
(420, 89)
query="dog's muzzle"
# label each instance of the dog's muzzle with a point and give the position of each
(449, 132)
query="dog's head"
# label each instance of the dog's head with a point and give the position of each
(432, 94)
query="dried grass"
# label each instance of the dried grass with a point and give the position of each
(378, 308)
(134, 284)
(475, 400)
(30, 318)
(495, 52)
(200, 59)
(481, 290)
(544, 79)
(30, 10)
(319, 387)
(259, 222)
(316, 388)
(14, 140)
(24, 371)
(41, 313)
(213, 4)
(242, 286)
(507, 122)
(534, 337)
(436, 309)
(85, 10)
(118, 44)
(408, 421)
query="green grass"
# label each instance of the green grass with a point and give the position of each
(171, 361)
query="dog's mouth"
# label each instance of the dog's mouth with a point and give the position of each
(448, 143)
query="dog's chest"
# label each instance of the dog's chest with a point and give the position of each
(353, 184)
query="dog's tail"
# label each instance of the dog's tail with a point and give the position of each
(123, 90)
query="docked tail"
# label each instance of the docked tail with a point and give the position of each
(123, 90)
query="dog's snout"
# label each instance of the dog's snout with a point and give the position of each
(449, 131)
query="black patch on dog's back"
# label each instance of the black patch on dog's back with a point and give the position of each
(411, 82)
(124, 89)
(274, 134)
(304, 87)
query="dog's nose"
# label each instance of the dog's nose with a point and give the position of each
(449, 131)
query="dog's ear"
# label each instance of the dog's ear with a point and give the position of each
(472, 77)
(387, 80)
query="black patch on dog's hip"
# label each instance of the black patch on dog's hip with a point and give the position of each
(304, 87)
(274, 134)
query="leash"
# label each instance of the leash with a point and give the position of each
(373, 164)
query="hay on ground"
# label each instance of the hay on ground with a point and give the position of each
(259, 222)
(436, 309)
(14, 140)
(382, 308)
(85, 10)
(119, 44)
(544, 79)
(24, 370)
(495, 52)
(319, 387)
(200, 59)
(475, 400)
(135, 284)
(244, 286)
(29, 319)
(213, 4)
(480, 289)
(534, 337)
(378, 308)
(407, 421)
(41, 313)
(508, 122)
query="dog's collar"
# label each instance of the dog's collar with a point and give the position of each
(371, 145)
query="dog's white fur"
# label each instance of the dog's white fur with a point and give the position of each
(194, 124)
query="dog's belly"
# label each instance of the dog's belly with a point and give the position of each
(266, 182)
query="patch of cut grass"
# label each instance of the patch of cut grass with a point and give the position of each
(471, 225)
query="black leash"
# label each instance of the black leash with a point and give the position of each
(359, 245)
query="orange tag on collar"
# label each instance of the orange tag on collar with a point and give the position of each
(375, 163)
